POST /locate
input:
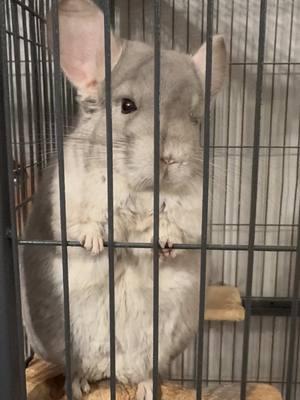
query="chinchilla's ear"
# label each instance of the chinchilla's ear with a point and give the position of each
(81, 41)
(219, 63)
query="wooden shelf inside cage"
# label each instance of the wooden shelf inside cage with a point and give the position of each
(44, 382)
(223, 303)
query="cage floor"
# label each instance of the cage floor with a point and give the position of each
(44, 382)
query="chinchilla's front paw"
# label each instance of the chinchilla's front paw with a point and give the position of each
(166, 248)
(91, 238)
(168, 235)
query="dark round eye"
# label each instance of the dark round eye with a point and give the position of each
(128, 106)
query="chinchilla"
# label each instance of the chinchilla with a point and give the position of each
(182, 82)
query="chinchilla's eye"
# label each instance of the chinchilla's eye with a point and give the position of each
(128, 106)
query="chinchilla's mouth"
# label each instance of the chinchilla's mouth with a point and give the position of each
(164, 174)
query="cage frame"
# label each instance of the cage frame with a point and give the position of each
(9, 286)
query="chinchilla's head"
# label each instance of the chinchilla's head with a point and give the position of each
(182, 82)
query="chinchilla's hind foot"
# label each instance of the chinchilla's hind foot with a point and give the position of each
(145, 390)
(85, 387)
(80, 386)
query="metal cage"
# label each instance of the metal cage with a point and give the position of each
(252, 137)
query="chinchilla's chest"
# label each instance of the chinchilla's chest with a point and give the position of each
(181, 210)
(86, 194)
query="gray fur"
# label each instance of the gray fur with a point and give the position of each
(181, 103)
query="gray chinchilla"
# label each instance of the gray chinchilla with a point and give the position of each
(181, 108)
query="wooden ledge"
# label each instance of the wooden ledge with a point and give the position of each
(44, 382)
(223, 303)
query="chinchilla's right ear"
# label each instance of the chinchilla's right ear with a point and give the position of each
(81, 41)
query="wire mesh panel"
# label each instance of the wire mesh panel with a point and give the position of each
(183, 25)
(31, 100)
(250, 153)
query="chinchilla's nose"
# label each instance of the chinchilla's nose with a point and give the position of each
(168, 160)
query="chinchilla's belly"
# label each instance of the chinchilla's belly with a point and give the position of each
(134, 321)
(178, 313)
(89, 314)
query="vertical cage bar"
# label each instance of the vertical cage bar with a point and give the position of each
(19, 100)
(37, 48)
(35, 79)
(51, 90)
(156, 172)
(281, 177)
(293, 324)
(173, 24)
(228, 129)
(12, 377)
(144, 20)
(128, 19)
(18, 77)
(44, 73)
(110, 197)
(227, 172)
(268, 181)
(12, 102)
(281, 204)
(28, 101)
(253, 201)
(297, 362)
(112, 14)
(208, 77)
(241, 157)
(202, 20)
(62, 199)
(37, 45)
(188, 27)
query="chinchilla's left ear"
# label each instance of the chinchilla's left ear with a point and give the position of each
(81, 41)
(219, 63)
